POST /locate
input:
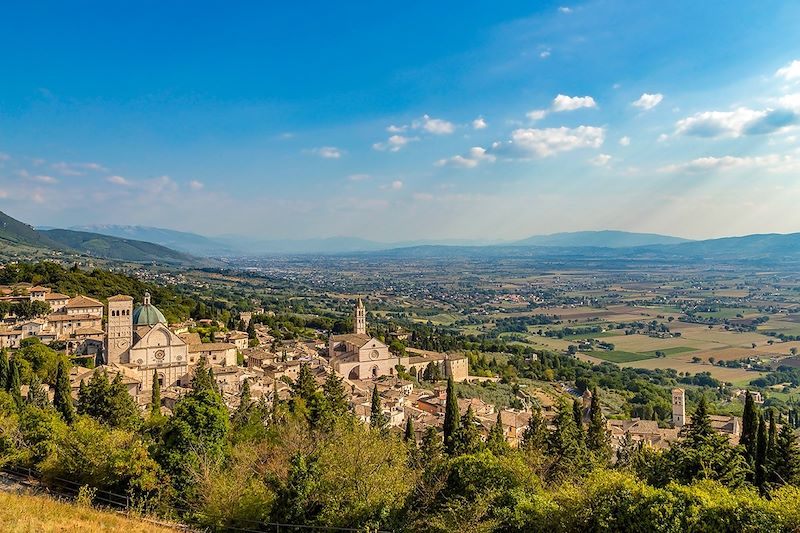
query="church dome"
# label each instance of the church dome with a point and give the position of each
(147, 314)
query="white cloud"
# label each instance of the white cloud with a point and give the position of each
(118, 180)
(600, 160)
(396, 129)
(358, 177)
(479, 123)
(563, 102)
(196, 185)
(549, 141)
(476, 156)
(78, 169)
(47, 180)
(396, 185)
(662, 138)
(544, 54)
(772, 162)
(536, 114)
(394, 144)
(648, 101)
(328, 152)
(436, 126)
(625, 141)
(741, 121)
(565, 9)
(790, 72)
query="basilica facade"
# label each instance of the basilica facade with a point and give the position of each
(140, 339)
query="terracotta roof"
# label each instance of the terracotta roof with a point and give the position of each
(211, 347)
(83, 301)
(55, 296)
(89, 331)
(63, 317)
(120, 298)
(358, 339)
(38, 289)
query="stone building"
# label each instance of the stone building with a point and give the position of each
(140, 339)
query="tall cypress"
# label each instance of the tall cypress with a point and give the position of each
(761, 453)
(62, 399)
(377, 420)
(597, 439)
(534, 438)
(786, 468)
(451, 416)
(155, 397)
(749, 427)
(4, 368)
(577, 414)
(409, 437)
(14, 383)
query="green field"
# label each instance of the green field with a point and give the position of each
(599, 335)
(670, 351)
(617, 356)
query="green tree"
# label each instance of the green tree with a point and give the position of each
(334, 393)
(408, 434)
(786, 469)
(62, 398)
(749, 427)
(37, 396)
(377, 420)
(704, 454)
(451, 415)
(155, 396)
(14, 383)
(496, 440)
(577, 414)
(760, 476)
(467, 438)
(534, 438)
(431, 448)
(597, 438)
(4, 369)
(565, 443)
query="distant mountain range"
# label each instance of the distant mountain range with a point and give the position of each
(19, 239)
(601, 239)
(146, 244)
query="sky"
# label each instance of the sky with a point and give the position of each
(394, 122)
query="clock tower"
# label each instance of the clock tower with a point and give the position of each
(119, 336)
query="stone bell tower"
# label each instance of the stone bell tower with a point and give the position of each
(119, 329)
(360, 319)
(678, 408)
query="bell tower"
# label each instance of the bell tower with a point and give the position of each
(119, 329)
(678, 408)
(360, 319)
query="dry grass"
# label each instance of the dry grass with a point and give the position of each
(29, 514)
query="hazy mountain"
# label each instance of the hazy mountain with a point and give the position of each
(600, 239)
(330, 245)
(191, 243)
(18, 239)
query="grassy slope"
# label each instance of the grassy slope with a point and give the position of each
(116, 248)
(23, 513)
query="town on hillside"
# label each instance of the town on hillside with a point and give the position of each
(134, 340)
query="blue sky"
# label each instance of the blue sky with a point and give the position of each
(434, 120)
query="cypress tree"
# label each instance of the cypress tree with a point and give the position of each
(377, 420)
(534, 438)
(155, 397)
(14, 383)
(333, 390)
(565, 441)
(36, 394)
(409, 437)
(761, 454)
(577, 414)
(772, 436)
(431, 448)
(749, 427)
(786, 469)
(4, 369)
(467, 438)
(82, 398)
(451, 416)
(62, 399)
(496, 440)
(597, 439)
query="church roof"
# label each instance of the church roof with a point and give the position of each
(357, 339)
(82, 301)
(211, 347)
(120, 298)
(148, 315)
